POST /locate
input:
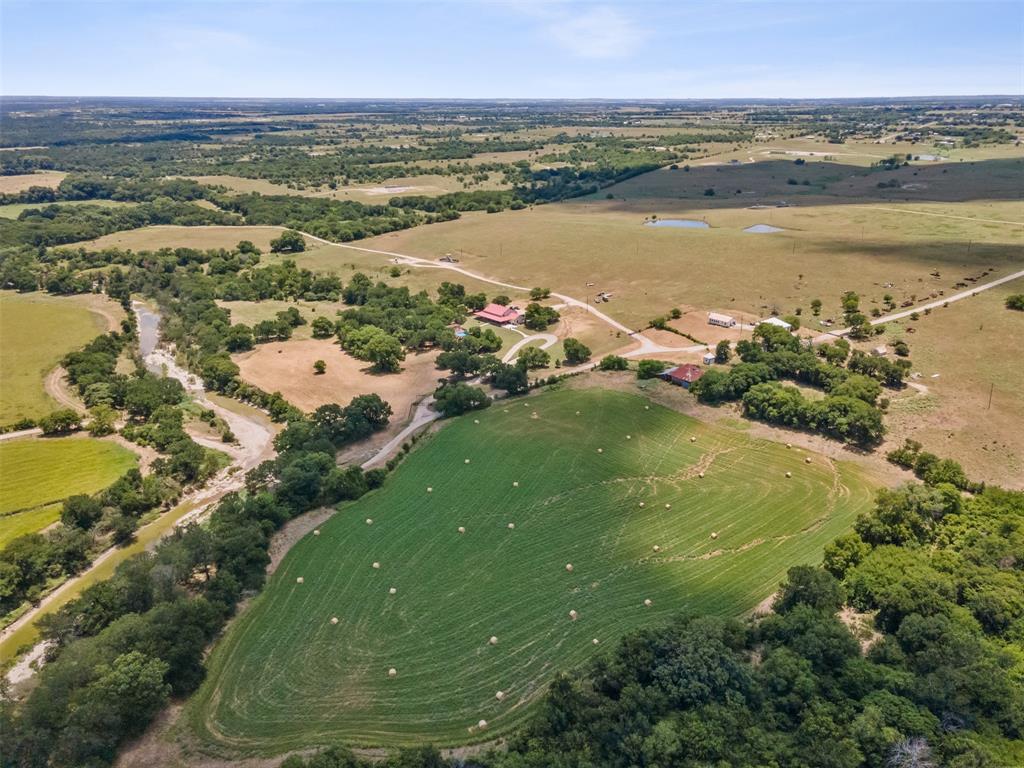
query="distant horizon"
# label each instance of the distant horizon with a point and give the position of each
(523, 49)
(527, 99)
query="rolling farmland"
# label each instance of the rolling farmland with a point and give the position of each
(595, 479)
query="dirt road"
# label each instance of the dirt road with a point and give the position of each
(929, 305)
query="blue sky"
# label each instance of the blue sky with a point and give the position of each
(514, 49)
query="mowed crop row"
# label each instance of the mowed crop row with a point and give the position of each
(595, 479)
(37, 473)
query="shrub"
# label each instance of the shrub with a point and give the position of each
(613, 363)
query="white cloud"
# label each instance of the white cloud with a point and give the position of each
(593, 33)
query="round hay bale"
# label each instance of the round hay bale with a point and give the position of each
(807, 460)
(789, 445)
(476, 421)
(668, 506)
(573, 614)
(629, 437)
(515, 483)
(577, 413)
(595, 641)
(714, 534)
(648, 602)
(300, 580)
(789, 474)
(700, 475)
(392, 591)
(600, 450)
(316, 531)
(334, 619)
(647, 407)
(568, 567)
(511, 526)
(429, 489)
(462, 529)
(656, 548)
(376, 564)
(641, 505)
(392, 672)
(499, 695)
(482, 724)
(467, 461)
(693, 439)
(369, 521)
(493, 640)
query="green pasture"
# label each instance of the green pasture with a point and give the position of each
(593, 478)
(36, 474)
(36, 331)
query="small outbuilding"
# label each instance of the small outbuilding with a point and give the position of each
(880, 351)
(725, 321)
(683, 375)
(709, 358)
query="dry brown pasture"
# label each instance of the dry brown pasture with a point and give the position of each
(23, 181)
(172, 236)
(375, 193)
(976, 346)
(826, 249)
(287, 367)
(252, 312)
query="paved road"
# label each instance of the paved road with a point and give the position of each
(548, 340)
(422, 416)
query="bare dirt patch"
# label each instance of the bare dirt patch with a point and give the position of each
(287, 367)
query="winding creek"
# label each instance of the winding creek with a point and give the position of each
(254, 432)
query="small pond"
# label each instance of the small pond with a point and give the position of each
(763, 229)
(684, 223)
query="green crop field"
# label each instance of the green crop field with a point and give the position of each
(593, 478)
(36, 331)
(36, 474)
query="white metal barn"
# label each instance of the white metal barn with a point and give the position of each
(714, 318)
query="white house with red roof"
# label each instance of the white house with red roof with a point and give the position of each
(500, 315)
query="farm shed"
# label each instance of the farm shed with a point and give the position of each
(881, 351)
(726, 321)
(500, 315)
(779, 322)
(709, 358)
(683, 375)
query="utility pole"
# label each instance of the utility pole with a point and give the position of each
(991, 387)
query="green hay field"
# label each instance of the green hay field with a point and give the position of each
(36, 331)
(36, 474)
(284, 677)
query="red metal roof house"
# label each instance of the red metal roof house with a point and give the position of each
(500, 315)
(683, 375)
